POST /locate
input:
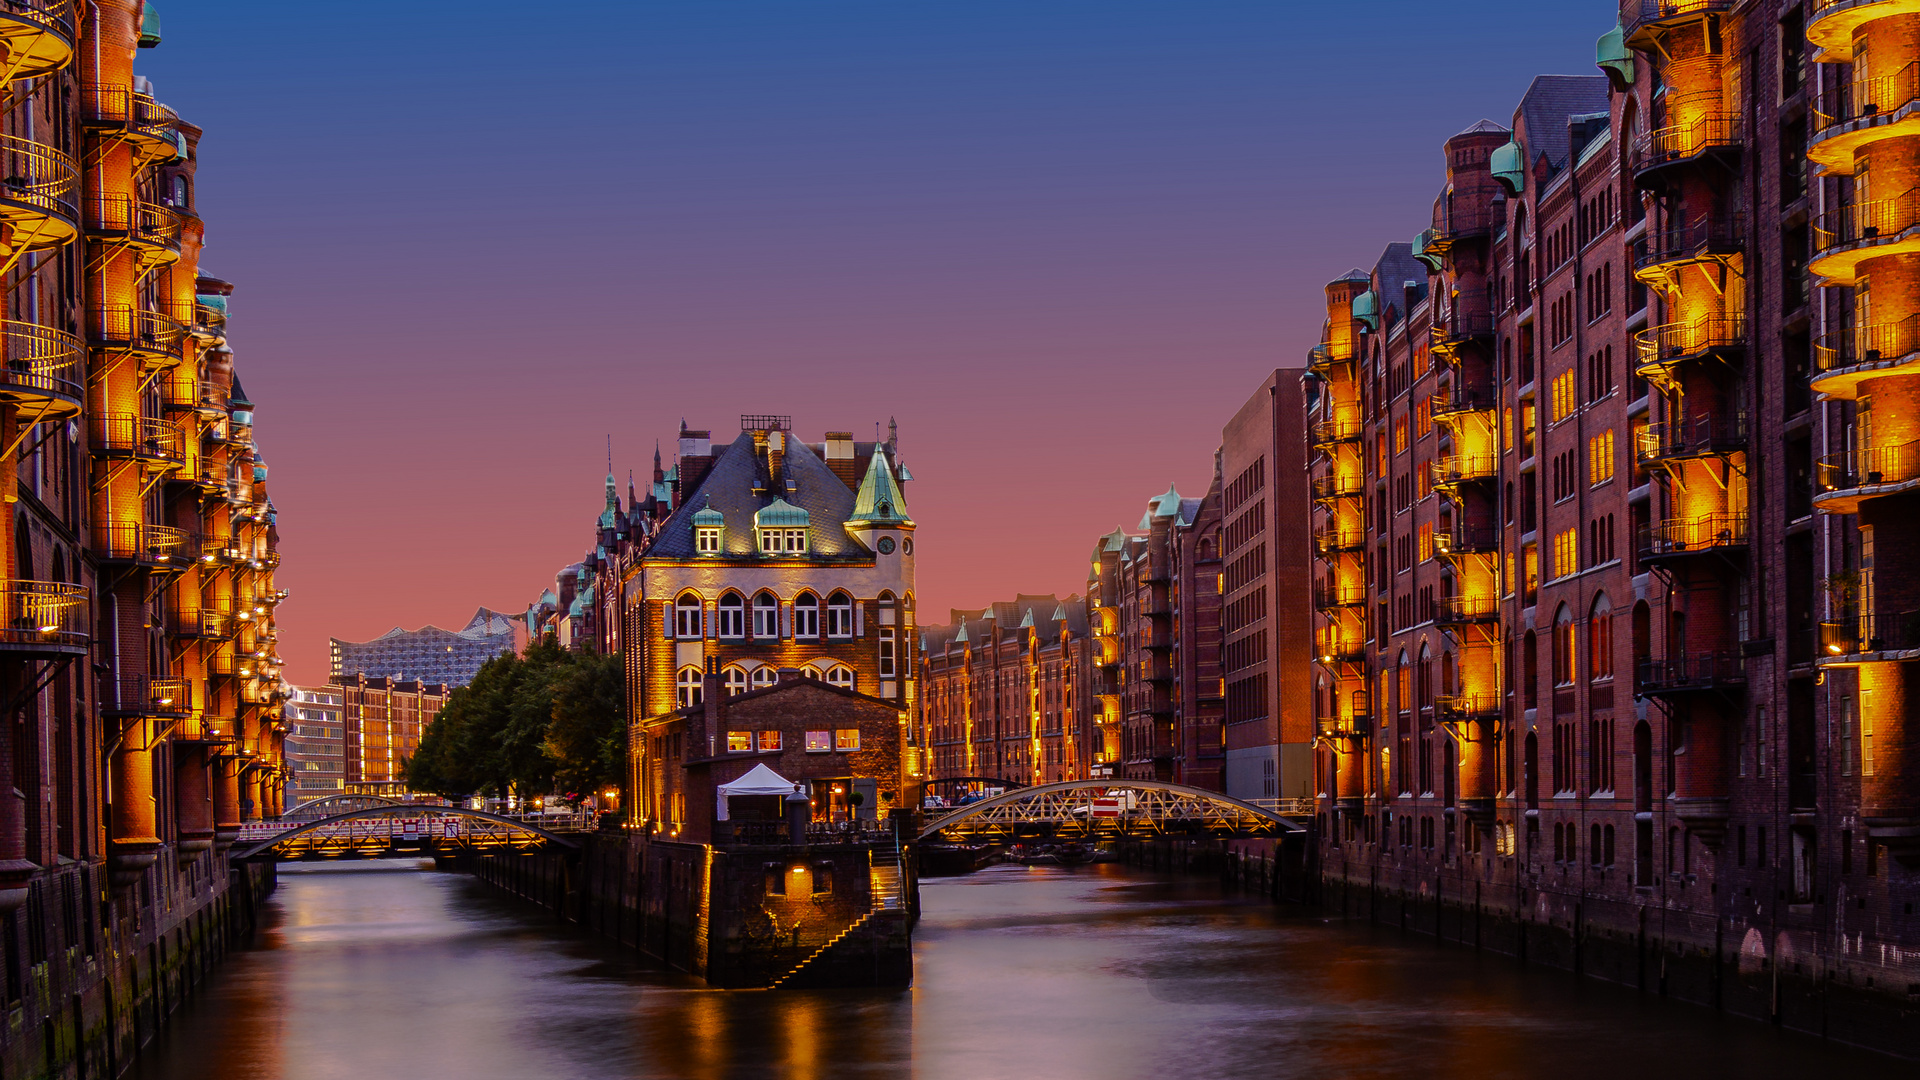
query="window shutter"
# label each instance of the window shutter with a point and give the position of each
(859, 619)
(706, 622)
(786, 619)
(666, 619)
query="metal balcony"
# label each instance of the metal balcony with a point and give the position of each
(124, 114)
(41, 370)
(1869, 638)
(1450, 472)
(154, 546)
(1459, 328)
(1845, 480)
(37, 35)
(1842, 359)
(1466, 610)
(1468, 708)
(1662, 348)
(1341, 429)
(1846, 236)
(1326, 356)
(145, 695)
(46, 617)
(1651, 19)
(1334, 597)
(1334, 541)
(1862, 112)
(143, 438)
(1332, 650)
(1712, 239)
(1339, 485)
(1690, 673)
(1462, 541)
(151, 232)
(1460, 400)
(38, 185)
(152, 336)
(1709, 534)
(1691, 438)
(1665, 151)
(1832, 23)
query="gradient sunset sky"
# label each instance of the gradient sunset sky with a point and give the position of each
(1059, 241)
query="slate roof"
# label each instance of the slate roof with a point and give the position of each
(728, 487)
(1547, 104)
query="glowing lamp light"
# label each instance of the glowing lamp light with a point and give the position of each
(49, 628)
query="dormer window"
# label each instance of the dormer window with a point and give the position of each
(706, 541)
(782, 528)
(708, 527)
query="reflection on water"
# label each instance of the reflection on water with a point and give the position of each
(390, 969)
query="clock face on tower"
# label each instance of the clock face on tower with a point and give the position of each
(886, 545)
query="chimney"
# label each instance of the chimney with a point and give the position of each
(776, 463)
(839, 456)
(712, 717)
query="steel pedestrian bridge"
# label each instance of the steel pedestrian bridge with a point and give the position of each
(1114, 809)
(403, 830)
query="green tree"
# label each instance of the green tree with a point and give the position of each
(587, 739)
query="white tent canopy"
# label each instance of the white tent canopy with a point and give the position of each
(759, 780)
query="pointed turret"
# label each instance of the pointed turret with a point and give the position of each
(879, 501)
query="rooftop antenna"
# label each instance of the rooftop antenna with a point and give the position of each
(609, 453)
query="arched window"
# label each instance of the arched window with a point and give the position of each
(1563, 644)
(689, 685)
(1426, 676)
(1404, 698)
(888, 660)
(765, 676)
(840, 675)
(806, 616)
(736, 680)
(733, 616)
(686, 616)
(886, 605)
(1600, 639)
(839, 615)
(766, 616)
(810, 672)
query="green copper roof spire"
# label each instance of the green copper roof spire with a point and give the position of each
(879, 501)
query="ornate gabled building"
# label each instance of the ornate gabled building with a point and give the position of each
(777, 554)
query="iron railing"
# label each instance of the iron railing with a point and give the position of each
(1460, 468)
(139, 436)
(1672, 342)
(146, 695)
(137, 329)
(1874, 343)
(1882, 95)
(128, 220)
(1459, 326)
(38, 176)
(1662, 12)
(1464, 540)
(128, 541)
(41, 361)
(1339, 485)
(1467, 706)
(55, 16)
(1874, 220)
(1893, 631)
(1327, 596)
(1693, 436)
(1327, 355)
(1680, 142)
(40, 613)
(1332, 649)
(128, 110)
(1329, 540)
(1708, 532)
(1720, 234)
(1463, 610)
(1340, 429)
(1689, 671)
(1868, 466)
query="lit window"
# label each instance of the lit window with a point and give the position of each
(1566, 552)
(766, 616)
(886, 652)
(733, 616)
(769, 740)
(706, 541)
(686, 616)
(736, 681)
(846, 738)
(739, 742)
(764, 677)
(1426, 542)
(840, 675)
(689, 685)
(840, 615)
(1600, 457)
(1563, 400)
(819, 742)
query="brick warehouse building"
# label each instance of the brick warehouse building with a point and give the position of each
(139, 655)
(1608, 473)
(777, 554)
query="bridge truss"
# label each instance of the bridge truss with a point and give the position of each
(394, 831)
(1103, 809)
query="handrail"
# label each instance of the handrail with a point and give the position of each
(1867, 466)
(1455, 468)
(46, 613)
(1887, 631)
(145, 694)
(1692, 435)
(1337, 430)
(1460, 326)
(1861, 99)
(1332, 596)
(1679, 340)
(1703, 533)
(124, 107)
(1654, 11)
(1873, 220)
(1329, 540)
(140, 542)
(138, 328)
(141, 436)
(1338, 485)
(54, 15)
(41, 359)
(1678, 142)
(1690, 670)
(1870, 344)
(133, 220)
(1715, 234)
(1459, 398)
(1482, 704)
(1462, 608)
(39, 176)
(1462, 539)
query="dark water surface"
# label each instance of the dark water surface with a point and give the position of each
(378, 970)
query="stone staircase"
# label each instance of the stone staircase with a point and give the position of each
(886, 886)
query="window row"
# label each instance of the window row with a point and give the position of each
(817, 742)
(732, 616)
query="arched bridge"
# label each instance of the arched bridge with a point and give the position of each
(397, 830)
(328, 805)
(1109, 808)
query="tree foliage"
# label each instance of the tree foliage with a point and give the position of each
(546, 720)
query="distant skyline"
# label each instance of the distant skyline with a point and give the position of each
(1059, 242)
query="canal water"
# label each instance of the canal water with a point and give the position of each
(393, 970)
